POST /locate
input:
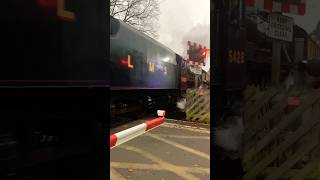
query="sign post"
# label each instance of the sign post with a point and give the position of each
(197, 54)
(197, 70)
(279, 28)
(276, 59)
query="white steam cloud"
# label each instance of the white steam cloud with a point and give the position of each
(182, 104)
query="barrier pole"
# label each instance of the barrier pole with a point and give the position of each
(128, 134)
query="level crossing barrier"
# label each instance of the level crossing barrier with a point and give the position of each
(128, 134)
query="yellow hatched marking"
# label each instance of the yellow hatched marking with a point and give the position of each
(156, 167)
(180, 146)
(181, 172)
(114, 175)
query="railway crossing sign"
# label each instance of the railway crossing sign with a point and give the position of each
(294, 101)
(277, 26)
(196, 70)
(196, 54)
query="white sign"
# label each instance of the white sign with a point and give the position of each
(196, 69)
(277, 27)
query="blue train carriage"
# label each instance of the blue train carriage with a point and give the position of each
(142, 69)
(138, 61)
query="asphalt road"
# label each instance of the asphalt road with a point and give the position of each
(171, 151)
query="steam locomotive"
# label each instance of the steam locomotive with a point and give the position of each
(145, 73)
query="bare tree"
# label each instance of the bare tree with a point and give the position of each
(141, 14)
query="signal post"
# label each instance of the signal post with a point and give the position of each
(196, 58)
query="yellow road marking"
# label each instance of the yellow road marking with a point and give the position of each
(166, 166)
(184, 137)
(115, 175)
(197, 170)
(156, 167)
(180, 146)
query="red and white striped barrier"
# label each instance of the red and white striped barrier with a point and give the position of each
(293, 7)
(128, 134)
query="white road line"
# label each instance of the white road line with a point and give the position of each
(180, 146)
(197, 170)
(155, 167)
(114, 175)
(165, 165)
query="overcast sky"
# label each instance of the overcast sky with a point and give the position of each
(183, 20)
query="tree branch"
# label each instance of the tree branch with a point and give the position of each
(141, 14)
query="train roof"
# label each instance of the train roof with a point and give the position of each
(143, 34)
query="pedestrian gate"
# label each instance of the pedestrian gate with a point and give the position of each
(198, 105)
(281, 141)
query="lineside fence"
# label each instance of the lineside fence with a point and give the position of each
(282, 134)
(198, 105)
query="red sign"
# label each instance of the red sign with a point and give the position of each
(196, 54)
(293, 7)
(294, 101)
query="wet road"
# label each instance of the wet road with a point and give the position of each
(170, 151)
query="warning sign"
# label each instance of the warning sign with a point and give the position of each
(277, 26)
(196, 69)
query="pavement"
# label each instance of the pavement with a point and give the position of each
(171, 151)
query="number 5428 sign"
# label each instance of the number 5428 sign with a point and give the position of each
(236, 56)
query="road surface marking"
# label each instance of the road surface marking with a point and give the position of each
(114, 175)
(199, 170)
(180, 146)
(156, 167)
(165, 165)
(183, 137)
